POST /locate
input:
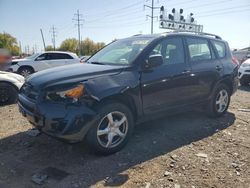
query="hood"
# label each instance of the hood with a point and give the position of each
(12, 76)
(71, 73)
(19, 60)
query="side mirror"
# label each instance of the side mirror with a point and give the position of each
(154, 61)
(39, 58)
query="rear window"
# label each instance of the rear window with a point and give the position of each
(198, 49)
(220, 48)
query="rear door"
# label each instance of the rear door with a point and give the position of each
(167, 85)
(206, 68)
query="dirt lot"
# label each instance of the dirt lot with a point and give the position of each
(186, 150)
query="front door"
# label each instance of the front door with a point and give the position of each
(167, 85)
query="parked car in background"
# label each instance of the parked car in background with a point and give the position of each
(244, 73)
(127, 82)
(10, 83)
(41, 61)
(241, 55)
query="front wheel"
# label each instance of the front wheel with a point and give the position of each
(219, 102)
(25, 71)
(112, 129)
(8, 94)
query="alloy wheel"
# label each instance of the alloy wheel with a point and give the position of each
(25, 72)
(222, 101)
(112, 129)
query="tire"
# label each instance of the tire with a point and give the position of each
(244, 82)
(25, 71)
(110, 114)
(217, 106)
(8, 94)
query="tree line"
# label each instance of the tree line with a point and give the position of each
(10, 43)
(87, 46)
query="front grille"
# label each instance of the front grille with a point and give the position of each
(29, 91)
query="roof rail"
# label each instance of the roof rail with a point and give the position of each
(199, 33)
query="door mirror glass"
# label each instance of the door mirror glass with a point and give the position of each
(154, 61)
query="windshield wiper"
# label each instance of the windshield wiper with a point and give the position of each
(97, 63)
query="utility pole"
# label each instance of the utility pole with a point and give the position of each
(43, 39)
(152, 7)
(53, 31)
(20, 47)
(79, 20)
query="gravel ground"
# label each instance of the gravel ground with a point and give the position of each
(185, 150)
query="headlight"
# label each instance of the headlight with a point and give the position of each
(70, 95)
(245, 64)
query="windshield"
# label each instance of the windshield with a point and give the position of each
(120, 52)
(32, 56)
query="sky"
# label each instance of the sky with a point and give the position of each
(105, 20)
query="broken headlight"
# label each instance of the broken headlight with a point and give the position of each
(69, 95)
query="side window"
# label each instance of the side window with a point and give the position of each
(41, 57)
(220, 48)
(66, 56)
(198, 49)
(61, 56)
(171, 50)
(56, 56)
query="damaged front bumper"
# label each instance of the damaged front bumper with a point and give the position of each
(69, 122)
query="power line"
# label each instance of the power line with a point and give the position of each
(79, 20)
(120, 25)
(208, 4)
(116, 15)
(227, 12)
(111, 12)
(224, 9)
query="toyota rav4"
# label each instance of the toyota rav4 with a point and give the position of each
(129, 81)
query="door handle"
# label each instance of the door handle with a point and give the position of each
(218, 68)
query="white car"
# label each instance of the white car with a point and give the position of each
(10, 83)
(244, 73)
(41, 61)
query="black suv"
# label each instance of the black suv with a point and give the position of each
(129, 81)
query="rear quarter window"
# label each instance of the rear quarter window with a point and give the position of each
(220, 47)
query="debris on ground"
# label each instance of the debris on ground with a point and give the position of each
(203, 155)
(244, 110)
(39, 178)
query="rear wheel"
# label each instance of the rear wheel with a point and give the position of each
(219, 102)
(8, 94)
(25, 71)
(112, 129)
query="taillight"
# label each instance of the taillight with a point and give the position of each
(235, 61)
